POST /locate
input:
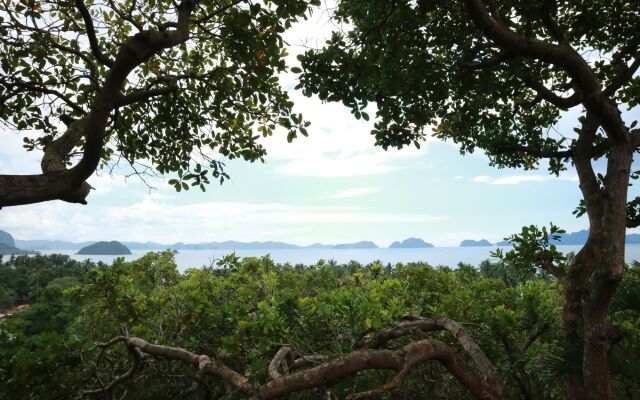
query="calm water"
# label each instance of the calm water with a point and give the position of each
(450, 256)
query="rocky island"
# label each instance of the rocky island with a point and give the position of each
(411, 243)
(113, 248)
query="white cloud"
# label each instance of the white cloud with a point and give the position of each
(106, 183)
(458, 177)
(338, 145)
(347, 193)
(481, 179)
(153, 220)
(516, 179)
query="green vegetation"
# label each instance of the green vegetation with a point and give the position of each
(243, 312)
(23, 280)
(170, 83)
(164, 83)
(105, 248)
(498, 76)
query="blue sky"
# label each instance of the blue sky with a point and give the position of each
(332, 187)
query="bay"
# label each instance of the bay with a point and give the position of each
(435, 256)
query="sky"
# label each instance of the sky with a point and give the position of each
(333, 186)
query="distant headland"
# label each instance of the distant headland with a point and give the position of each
(8, 245)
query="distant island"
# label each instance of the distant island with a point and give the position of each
(475, 243)
(112, 248)
(226, 245)
(357, 245)
(411, 243)
(10, 246)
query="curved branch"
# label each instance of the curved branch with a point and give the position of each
(589, 185)
(550, 96)
(277, 361)
(44, 90)
(91, 34)
(137, 356)
(563, 56)
(330, 372)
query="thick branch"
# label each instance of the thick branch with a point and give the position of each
(417, 323)
(563, 56)
(134, 51)
(589, 185)
(534, 333)
(330, 372)
(278, 360)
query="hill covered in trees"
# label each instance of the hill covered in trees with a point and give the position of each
(105, 248)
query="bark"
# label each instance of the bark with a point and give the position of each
(596, 273)
(283, 382)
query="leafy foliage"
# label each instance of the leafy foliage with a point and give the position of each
(243, 310)
(427, 67)
(181, 110)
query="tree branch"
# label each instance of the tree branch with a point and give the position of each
(329, 372)
(91, 34)
(68, 185)
(562, 56)
(536, 152)
(550, 96)
(589, 185)
(488, 63)
(277, 361)
(549, 7)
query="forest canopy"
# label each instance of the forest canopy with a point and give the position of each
(244, 312)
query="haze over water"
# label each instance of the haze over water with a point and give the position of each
(435, 256)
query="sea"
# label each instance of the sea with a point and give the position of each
(435, 256)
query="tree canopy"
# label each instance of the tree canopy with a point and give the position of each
(498, 75)
(483, 76)
(163, 85)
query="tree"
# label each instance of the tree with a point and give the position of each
(166, 83)
(497, 76)
(255, 329)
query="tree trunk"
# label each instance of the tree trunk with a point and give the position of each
(593, 278)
